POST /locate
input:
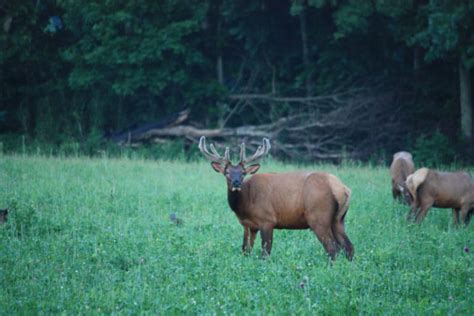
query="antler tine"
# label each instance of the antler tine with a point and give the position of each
(259, 153)
(226, 154)
(214, 156)
(213, 149)
(203, 149)
(242, 152)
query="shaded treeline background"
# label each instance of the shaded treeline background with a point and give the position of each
(326, 79)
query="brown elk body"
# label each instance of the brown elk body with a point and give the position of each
(294, 200)
(402, 166)
(441, 189)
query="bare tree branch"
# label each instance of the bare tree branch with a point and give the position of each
(350, 123)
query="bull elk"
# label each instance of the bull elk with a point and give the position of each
(294, 200)
(441, 189)
(402, 166)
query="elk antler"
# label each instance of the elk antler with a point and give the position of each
(261, 151)
(214, 156)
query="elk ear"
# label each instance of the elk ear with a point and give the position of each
(217, 167)
(252, 169)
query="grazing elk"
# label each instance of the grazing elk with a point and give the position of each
(402, 166)
(294, 200)
(3, 216)
(441, 189)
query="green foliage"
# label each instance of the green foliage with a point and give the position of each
(434, 150)
(146, 55)
(133, 48)
(73, 70)
(352, 17)
(443, 28)
(93, 236)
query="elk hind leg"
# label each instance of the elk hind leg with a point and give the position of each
(466, 213)
(342, 239)
(326, 237)
(320, 216)
(267, 239)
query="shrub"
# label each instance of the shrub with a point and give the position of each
(434, 150)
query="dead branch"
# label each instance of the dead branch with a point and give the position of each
(352, 123)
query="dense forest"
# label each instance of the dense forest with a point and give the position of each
(324, 79)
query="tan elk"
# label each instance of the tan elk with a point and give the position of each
(294, 200)
(402, 166)
(441, 189)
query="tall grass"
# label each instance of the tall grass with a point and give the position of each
(90, 236)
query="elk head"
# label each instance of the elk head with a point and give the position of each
(234, 174)
(405, 193)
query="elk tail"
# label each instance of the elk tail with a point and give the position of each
(343, 204)
(342, 194)
(414, 180)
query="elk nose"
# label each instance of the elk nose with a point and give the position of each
(235, 183)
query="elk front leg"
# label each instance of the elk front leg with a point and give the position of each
(395, 193)
(249, 239)
(456, 216)
(267, 239)
(424, 207)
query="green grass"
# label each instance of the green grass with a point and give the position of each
(94, 236)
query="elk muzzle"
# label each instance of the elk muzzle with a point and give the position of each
(235, 176)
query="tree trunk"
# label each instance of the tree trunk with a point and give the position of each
(304, 41)
(220, 67)
(416, 58)
(465, 100)
(220, 70)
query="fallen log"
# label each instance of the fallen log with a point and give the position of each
(136, 132)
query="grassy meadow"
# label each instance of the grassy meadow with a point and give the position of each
(94, 236)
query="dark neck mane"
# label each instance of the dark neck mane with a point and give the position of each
(235, 199)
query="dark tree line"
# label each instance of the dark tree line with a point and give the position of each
(324, 78)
